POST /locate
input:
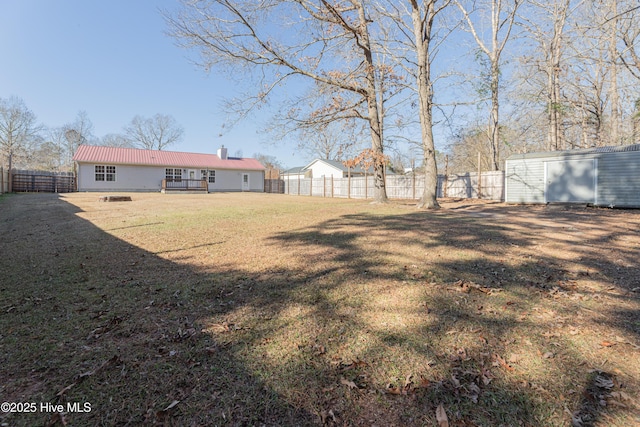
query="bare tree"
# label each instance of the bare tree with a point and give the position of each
(335, 141)
(327, 42)
(116, 140)
(614, 55)
(502, 18)
(79, 132)
(546, 22)
(155, 133)
(18, 131)
(423, 15)
(630, 33)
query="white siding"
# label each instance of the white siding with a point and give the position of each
(321, 169)
(619, 179)
(128, 178)
(231, 180)
(524, 181)
(149, 178)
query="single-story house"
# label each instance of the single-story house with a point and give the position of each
(131, 169)
(603, 176)
(328, 168)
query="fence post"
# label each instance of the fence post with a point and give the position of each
(479, 177)
(413, 184)
(324, 185)
(311, 187)
(445, 183)
(366, 185)
(332, 186)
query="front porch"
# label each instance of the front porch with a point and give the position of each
(178, 185)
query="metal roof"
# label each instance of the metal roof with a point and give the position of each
(577, 152)
(338, 165)
(135, 156)
(296, 170)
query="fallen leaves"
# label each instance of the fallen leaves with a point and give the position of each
(80, 377)
(465, 286)
(499, 361)
(350, 384)
(441, 416)
(406, 388)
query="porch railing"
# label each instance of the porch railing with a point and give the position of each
(184, 184)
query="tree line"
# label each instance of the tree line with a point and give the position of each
(493, 77)
(24, 143)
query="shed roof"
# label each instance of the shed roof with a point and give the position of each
(339, 165)
(577, 152)
(296, 170)
(136, 156)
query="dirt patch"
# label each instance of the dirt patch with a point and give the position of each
(258, 309)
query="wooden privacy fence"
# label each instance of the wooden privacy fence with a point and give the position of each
(274, 186)
(463, 186)
(42, 181)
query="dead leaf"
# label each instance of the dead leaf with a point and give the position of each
(348, 383)
(324, 416)
(407, 382)
(515, 358)
(424, 383)
(393, 390)
(171, 405)
(455, 381)
(607, 344)
(319, 349)
(499, 361)
(441, 416)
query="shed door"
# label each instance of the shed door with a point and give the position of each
(245, 182)
(571, 181)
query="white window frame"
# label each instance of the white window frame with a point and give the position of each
(104, 173)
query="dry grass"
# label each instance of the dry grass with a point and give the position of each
(257, 309)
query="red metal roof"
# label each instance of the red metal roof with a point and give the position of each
(135, 156)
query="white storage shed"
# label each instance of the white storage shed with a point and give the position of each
(603, 176)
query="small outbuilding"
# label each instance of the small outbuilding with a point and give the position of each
(602, 176)
(327, 168)
(131, 169)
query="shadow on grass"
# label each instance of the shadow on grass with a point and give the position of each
(91, 318)
(88, 318)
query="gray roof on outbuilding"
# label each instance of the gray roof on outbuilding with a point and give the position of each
(577, 152)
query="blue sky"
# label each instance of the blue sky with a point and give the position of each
(113, 60)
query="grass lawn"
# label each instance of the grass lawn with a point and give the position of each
(260, 309)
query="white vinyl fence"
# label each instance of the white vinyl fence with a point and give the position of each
(400, 186)
(4, 180)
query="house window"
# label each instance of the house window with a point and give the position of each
(173, 175)
(209, 175)
(99, 173)
(111, 173)
(105, 173)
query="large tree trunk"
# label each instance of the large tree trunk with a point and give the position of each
(422, 32)
(380, 191)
